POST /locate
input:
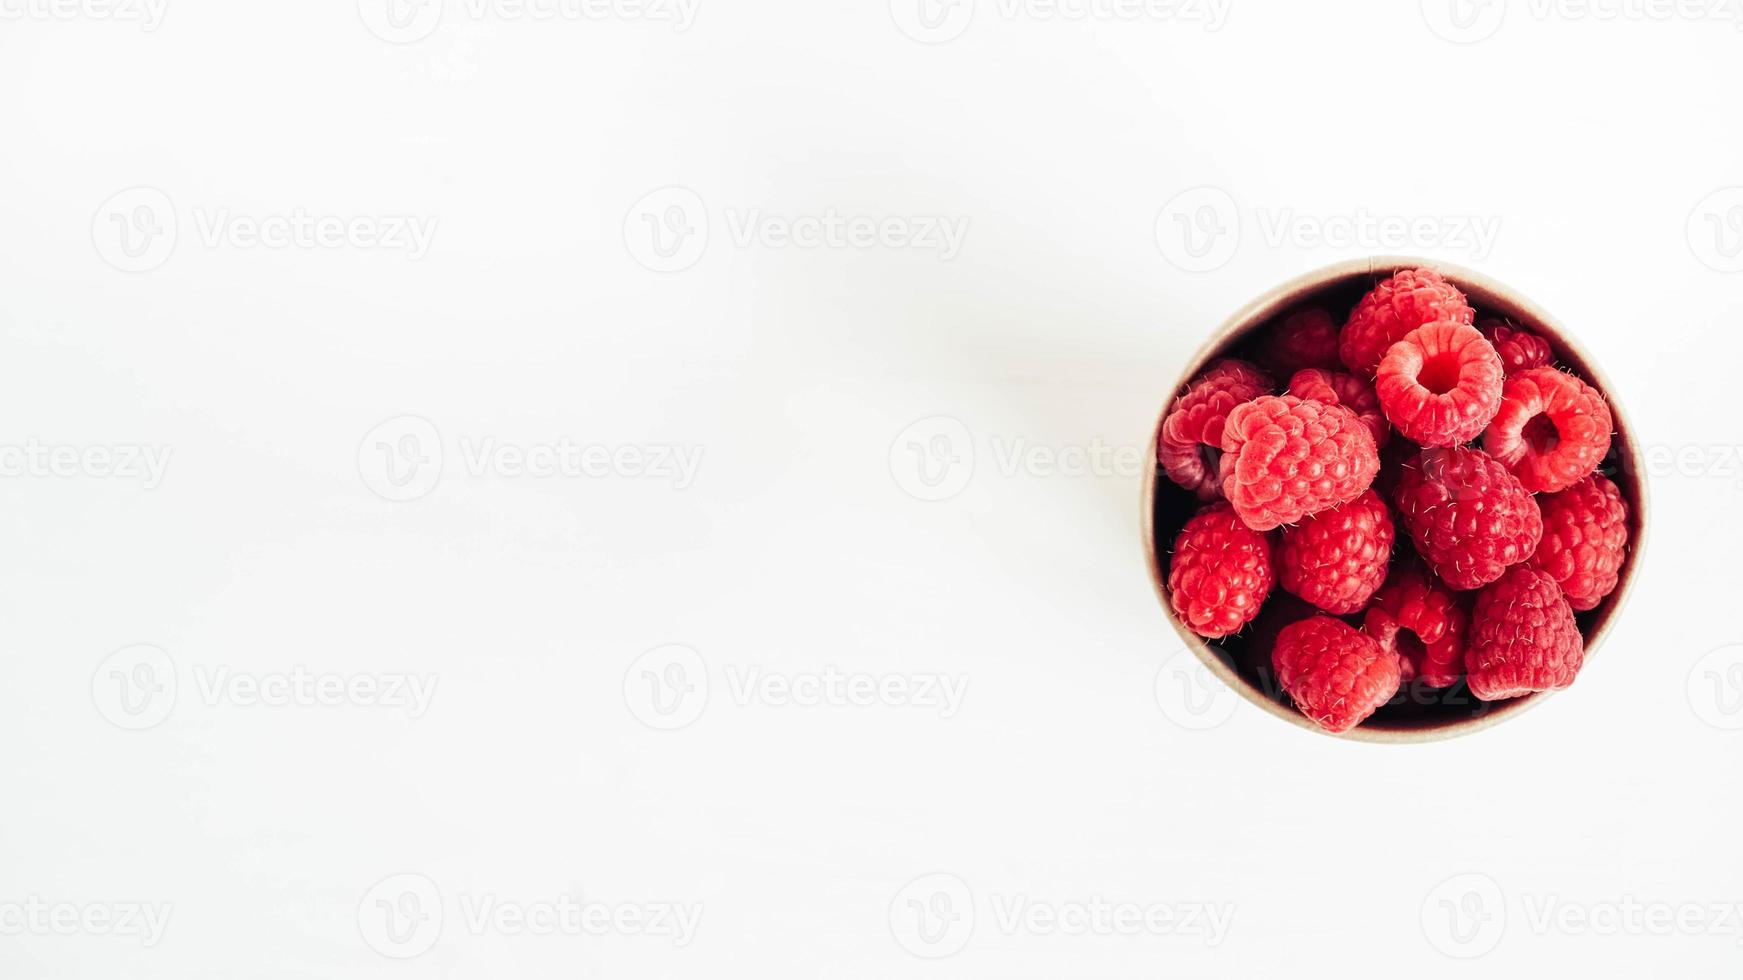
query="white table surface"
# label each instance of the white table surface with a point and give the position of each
(987, 281)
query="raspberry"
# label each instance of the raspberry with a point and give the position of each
(1191, 436)
(1305, 339)
(1523, 638)
(1520, 349)
(1553, 429)
(1392, 309)
(1284, 458)
(1336, 558)
(1585, 537)
(1441, 384)
(1417, 617)
(1336, 675)
(1467, 515)
(1220, 572)
(1338, 388)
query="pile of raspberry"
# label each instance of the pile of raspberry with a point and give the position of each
(1425, 483)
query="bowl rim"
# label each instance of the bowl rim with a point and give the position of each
(1279, 298)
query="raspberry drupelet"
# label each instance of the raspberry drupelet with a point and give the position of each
(1190, 442)
(1285, 458)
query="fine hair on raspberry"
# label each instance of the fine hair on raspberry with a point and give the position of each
(1393, 308)
(1441, 384)
(1220, 572)
(1552, 429)
(1189, 446)
(1285, 458)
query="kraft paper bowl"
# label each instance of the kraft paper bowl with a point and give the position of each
(1243, 661)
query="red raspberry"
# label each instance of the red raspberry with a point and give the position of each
(1520, 349)
(1552, 431)
(1192, 433)
(1284, 458)
(1336, 675)
(1585, 538)
(1395, 307)
(1467, 515)
(1305, 339)
(1338, 388)
(1336, 558)
(1523, 638)
(1424, 622)
(1441, 384)
(1220, 572)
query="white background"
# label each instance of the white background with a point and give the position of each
(540, 768)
